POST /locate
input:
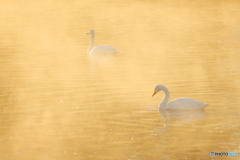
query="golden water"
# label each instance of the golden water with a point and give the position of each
(57, 103)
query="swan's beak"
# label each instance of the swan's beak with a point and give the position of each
(154, 93)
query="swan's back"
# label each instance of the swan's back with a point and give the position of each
(104, 49)
(186, 103)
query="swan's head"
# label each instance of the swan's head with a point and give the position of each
(158, 88)
(91, 31)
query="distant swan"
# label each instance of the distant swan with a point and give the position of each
(180, 103)
(105, 49)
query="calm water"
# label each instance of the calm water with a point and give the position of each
(57, 103)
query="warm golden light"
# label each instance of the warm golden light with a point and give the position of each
(58, 103)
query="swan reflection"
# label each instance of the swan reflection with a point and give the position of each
(180, 117)
(183, 115)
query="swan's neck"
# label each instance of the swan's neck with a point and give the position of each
(165, 100)
(92, 41)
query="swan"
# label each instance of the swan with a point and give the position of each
(180, 103)
(104, 49)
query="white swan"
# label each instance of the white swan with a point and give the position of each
(104, 49)
(180, 103)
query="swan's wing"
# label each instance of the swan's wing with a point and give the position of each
(105, 49)
(186, 103)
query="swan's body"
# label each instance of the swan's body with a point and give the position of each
(104, 49)
(180, 103)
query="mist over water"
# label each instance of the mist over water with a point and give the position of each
(58, 103)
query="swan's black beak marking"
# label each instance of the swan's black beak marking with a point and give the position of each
(154, 93)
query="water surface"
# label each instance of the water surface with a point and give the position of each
(57, 103)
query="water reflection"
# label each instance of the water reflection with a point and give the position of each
(102, 59)
(182, 116)
(56, 102)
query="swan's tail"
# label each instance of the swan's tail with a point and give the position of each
(206, 104)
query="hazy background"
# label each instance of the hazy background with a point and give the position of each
(57, 103)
